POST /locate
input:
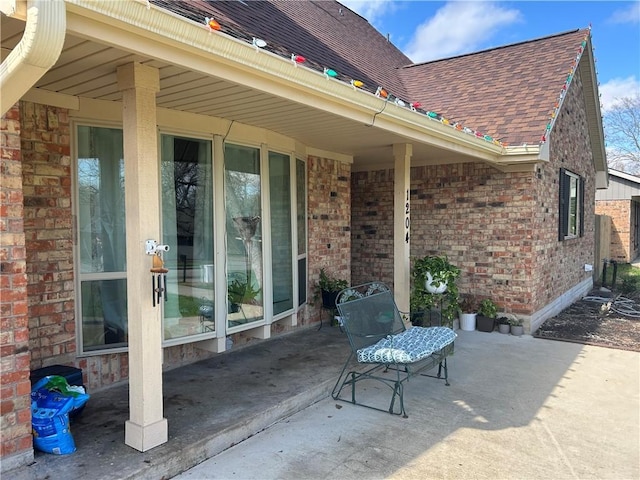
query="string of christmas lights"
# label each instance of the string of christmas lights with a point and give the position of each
(297, 59)
(553, 115)
(381, 92)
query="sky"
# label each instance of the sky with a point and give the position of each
(428, 30)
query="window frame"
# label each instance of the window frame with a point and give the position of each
(79, 276)
(571, 220)
(218, 169)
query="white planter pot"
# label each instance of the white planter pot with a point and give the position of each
(432, 287)
(468, 321)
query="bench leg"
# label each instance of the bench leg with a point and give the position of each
(398, 390)
(443, 366)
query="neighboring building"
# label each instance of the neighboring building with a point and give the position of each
(621, 202)
(258, 169)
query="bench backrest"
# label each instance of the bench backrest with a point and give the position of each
(368, 313)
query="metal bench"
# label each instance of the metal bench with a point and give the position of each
(383, 348)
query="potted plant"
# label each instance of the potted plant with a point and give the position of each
(487, 313)
(329, 287)
(468, 312)
(434, 285)
(436, 273)
(503, 325)
(516, 327)
(239, 292)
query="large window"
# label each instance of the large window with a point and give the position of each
(281, 232)
(243, 203)
(256, 182)
(301, 226)
(101, 238)
(571, 223)
(187, 227)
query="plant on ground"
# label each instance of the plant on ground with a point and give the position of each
(330, 283)
(487, 308)
(469, 304)
(441, 270)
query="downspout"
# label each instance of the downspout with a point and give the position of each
(38, 50)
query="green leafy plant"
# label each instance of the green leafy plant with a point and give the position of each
(515, 322)
(242, 292)
(329, 283)
(441, 271)
(503, 321)
(487, 308)
(328, 287)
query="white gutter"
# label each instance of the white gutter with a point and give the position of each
(178, 41)
(37, 51)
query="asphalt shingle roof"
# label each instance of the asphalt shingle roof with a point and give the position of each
(326, 33)
(506, 92)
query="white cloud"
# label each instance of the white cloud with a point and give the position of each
(458, 27)
(372, 10)
(631, 14)
(617, 88)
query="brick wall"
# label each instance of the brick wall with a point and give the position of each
(560, 265)
(500, 228)
(622, 249)
(45, 143)
(480, 218)
(372, 226)
(15, 401)
(329, 222)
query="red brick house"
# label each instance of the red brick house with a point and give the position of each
(261, 147)
(621, 202)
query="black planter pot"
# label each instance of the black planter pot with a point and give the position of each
(485, 324)
(329, 299)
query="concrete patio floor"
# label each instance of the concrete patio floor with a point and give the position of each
(517, 407)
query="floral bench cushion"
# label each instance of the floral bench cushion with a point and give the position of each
(410, 346)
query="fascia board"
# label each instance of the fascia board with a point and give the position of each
(592, 98)
(624, 175)
(161, 34)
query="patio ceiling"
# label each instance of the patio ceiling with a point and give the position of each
(93, 51)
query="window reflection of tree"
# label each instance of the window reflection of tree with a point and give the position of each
(243, 204)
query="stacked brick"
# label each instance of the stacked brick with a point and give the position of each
(329, 219)
(500, 228)
(622, 243)
(15, 387)
(45, 143)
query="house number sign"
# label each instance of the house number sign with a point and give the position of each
(407, 221)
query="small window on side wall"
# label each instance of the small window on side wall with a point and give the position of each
(571, 223)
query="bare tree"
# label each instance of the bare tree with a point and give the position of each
(622, 127)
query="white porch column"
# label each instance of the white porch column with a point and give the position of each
(146, 427)
(401, 220)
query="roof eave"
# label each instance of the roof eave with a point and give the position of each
(185, 43)
(594, 115)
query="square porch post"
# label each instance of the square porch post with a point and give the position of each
(401, 224)
(146, 427)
